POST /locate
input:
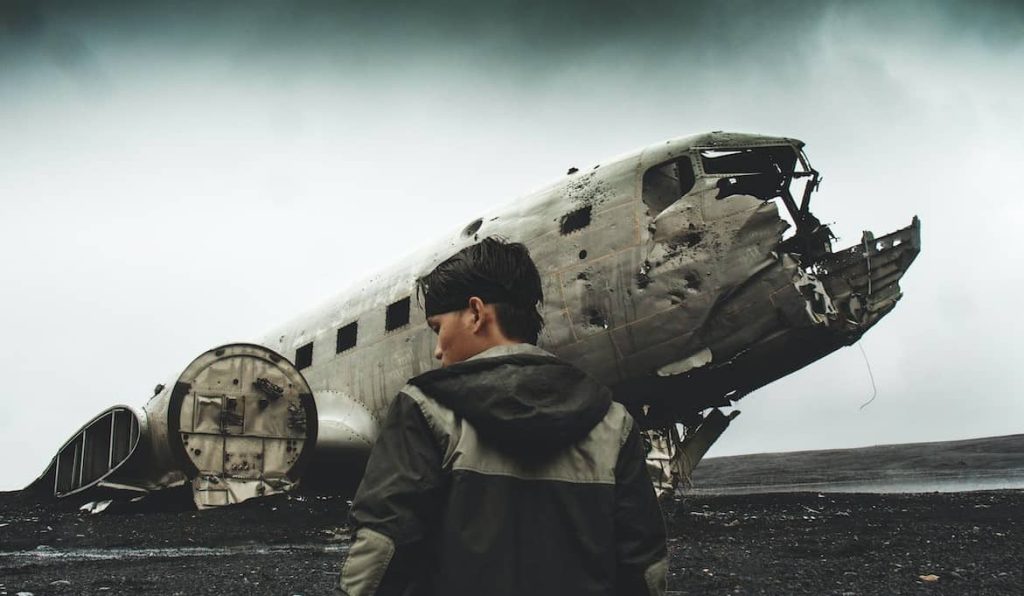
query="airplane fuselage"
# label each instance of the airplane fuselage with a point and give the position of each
(683, 275)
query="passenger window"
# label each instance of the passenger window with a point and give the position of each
(397, 315)
(304, 356)
(346, 338)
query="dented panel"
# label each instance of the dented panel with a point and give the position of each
(229, 405)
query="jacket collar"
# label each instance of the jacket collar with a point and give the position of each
(510, 349)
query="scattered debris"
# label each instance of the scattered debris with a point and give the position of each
(298, 547)
(94, 507)
(337, 534)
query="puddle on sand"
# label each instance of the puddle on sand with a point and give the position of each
(880, 486)
(100, 554)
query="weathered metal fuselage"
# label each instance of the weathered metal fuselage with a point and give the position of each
(670, 274)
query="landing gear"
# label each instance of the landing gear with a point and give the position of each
(671, 458)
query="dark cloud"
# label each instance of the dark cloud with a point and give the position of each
(543, 26)
(21, 18)
(523, 29)
(27, 29)
(655, 44)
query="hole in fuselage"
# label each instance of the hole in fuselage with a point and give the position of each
(575, 220)
(472, 228)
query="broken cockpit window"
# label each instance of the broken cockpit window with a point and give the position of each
(763, 172)
(666, 183)
(773, 172)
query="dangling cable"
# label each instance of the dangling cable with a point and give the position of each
(874, 389)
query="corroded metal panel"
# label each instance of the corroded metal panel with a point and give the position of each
(206, 451)
(228, 405)
(243, 457)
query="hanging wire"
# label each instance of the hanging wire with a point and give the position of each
(874, 389)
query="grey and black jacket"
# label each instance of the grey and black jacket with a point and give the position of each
(511, 473)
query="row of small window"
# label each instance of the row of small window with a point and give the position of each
(397, 315)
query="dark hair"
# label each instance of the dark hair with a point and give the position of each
(499, 273)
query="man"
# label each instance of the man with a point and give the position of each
(507, 471)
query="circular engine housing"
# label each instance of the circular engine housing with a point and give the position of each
(242, 423)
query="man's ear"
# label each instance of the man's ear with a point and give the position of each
(476, 308)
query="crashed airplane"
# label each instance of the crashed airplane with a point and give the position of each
(684, 276)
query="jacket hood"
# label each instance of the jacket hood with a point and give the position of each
(520, 398)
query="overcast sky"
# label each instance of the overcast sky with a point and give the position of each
(175, 176)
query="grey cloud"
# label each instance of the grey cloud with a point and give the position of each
(534, 31)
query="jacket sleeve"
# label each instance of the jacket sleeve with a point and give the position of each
(399, 496)
(641, 553)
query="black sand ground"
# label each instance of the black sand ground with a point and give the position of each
(785, 543)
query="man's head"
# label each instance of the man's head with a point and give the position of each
(484, 296)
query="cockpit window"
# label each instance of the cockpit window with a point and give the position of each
(751, 160)
(780, 171)
(667, 183)
(763, 172)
